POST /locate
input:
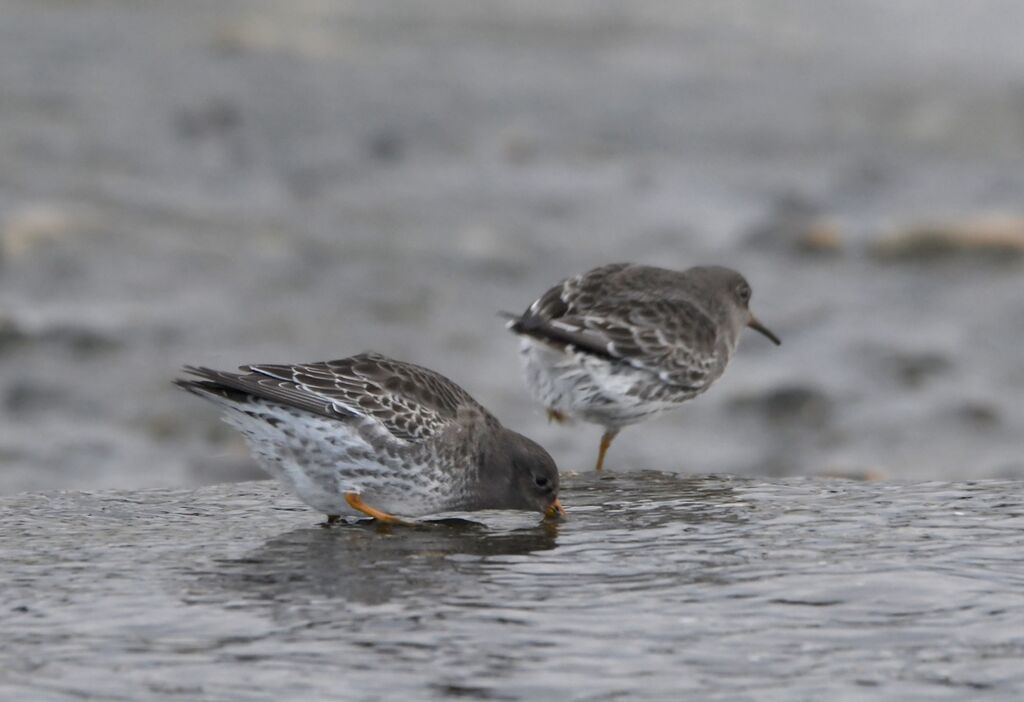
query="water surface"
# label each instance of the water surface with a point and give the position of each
(657, 586)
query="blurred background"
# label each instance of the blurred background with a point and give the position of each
(230, 182)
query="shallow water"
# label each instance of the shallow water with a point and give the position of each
(657, 585)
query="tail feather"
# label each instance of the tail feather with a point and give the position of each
(537, 327)
(210, 390)
(227, 388)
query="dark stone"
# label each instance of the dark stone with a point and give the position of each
(794, 223)
(791, 404)
(11, 334)
(914, 370)
(215, 118)
(226, 469)
(29, 396)
(386, 146)
(81, 341)
(980, 415)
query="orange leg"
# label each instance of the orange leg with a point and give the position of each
(556, 416)
(606, 441)
(356, 503)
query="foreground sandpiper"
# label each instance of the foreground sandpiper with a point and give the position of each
(375, 436)
(625, 342)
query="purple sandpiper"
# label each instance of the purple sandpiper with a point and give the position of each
(374, 436)
(625, 342)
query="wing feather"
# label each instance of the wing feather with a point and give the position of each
(606, 313)
(411, 402)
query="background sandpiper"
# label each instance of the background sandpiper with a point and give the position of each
(625, 342)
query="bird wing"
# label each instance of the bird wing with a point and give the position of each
(411, 402)
(600, 314)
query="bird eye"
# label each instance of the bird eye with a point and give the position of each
(743, 292)
(540, 481)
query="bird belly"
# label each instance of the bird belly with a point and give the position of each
(320, 460)
(594, 389)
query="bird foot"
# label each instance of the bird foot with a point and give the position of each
(356, 503)
(556, 416)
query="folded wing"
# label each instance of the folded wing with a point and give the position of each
(666, 337)
(411, 402)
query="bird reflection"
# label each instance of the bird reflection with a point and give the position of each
(369, 563)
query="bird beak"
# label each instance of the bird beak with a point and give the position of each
(757, 326)
(555, 511)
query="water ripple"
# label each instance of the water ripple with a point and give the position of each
(658, 585)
